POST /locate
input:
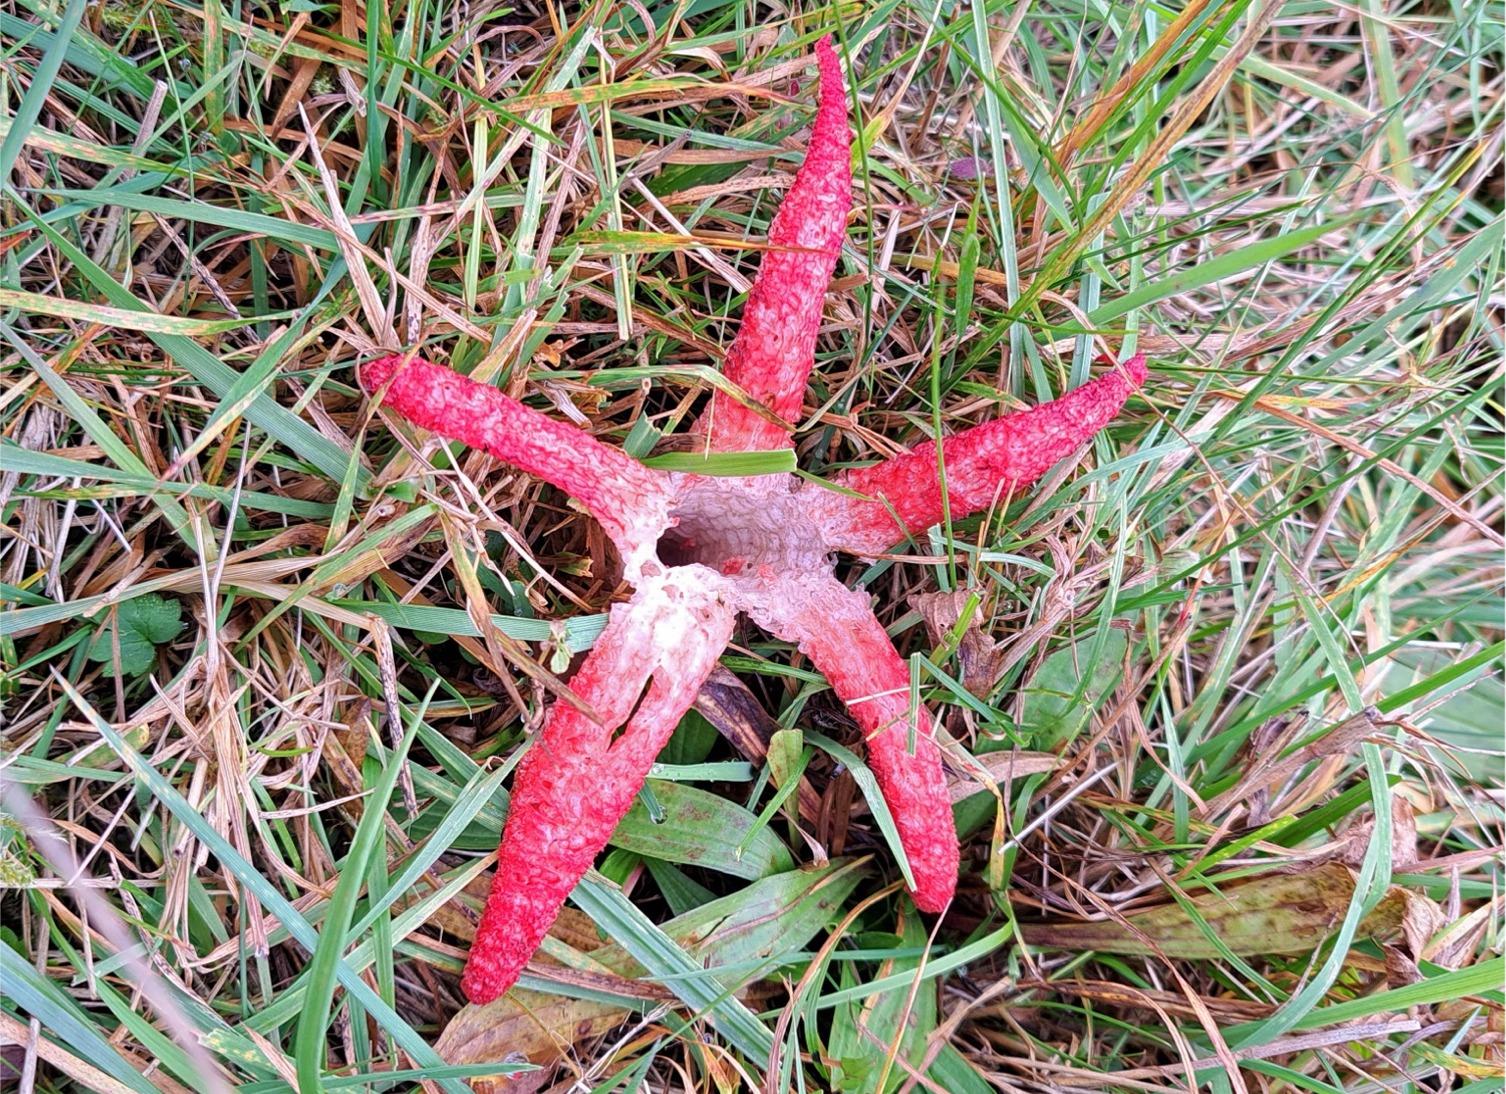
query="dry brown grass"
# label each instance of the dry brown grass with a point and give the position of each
(1258, 630)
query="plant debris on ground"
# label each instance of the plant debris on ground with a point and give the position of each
(1221, 694)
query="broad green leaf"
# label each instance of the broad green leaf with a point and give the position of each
(896, 1016)
(701, 829)
(139, 626)
(1060, 697)
(1470, 722)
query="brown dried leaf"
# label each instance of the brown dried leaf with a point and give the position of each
(727, 704)
(1281, 913)
(772, 916)
(1354, 841)
(524, 1026)
(459, 917)
(980, 656)
(344, 750)
(576, 929)
(1405, 918)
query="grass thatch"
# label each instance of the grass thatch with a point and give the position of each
(264, 661)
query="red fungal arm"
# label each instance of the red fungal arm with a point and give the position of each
(576, 783)
(997, 458)
(618, 491)
(775, 347)
(834, 626)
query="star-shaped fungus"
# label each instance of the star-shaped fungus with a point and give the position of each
(699, 550)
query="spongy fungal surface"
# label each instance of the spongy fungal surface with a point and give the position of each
(641, 676)
(700, 550)
(735, 525)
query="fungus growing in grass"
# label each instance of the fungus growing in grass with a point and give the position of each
(699, 550)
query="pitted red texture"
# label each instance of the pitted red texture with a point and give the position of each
(608, 482)
(1011, 452)
(772, 354)
(576, 783)
(761, 546)
(835, 627)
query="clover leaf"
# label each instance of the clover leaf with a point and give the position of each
(142, 624)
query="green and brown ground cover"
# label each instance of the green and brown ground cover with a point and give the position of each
(1231, 680)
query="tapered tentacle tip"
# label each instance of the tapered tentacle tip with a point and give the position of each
(503, 947)
(833, 87)
(480, 983)
(933, 898)
(516, 921)
(1134, 370)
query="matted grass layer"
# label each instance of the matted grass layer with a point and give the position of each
(1232, 677)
